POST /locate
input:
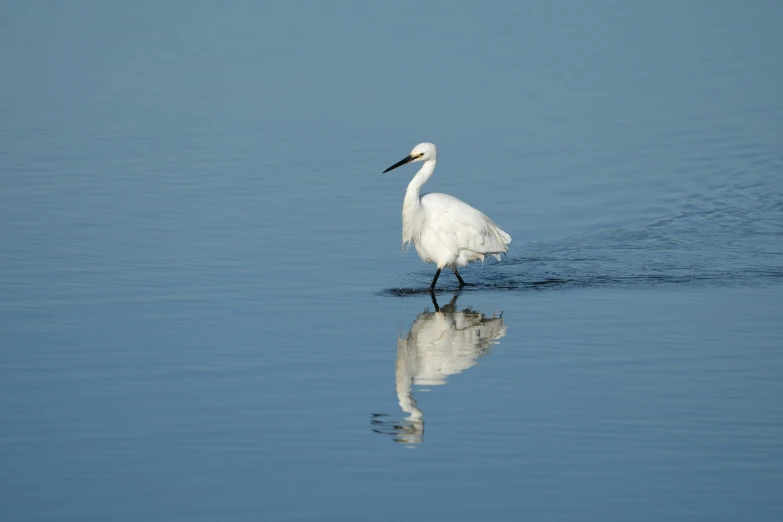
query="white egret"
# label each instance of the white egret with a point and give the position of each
(444, 230)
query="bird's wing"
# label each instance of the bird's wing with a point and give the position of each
(462, 227)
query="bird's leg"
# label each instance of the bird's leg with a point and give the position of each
(434, 280)
(461, 281)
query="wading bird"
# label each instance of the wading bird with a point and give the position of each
(444, 230)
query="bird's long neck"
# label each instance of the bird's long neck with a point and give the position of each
(421, 177)
(412, 203)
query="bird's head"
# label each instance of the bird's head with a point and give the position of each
(421, 152)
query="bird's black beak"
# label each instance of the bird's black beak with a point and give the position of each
(400, 163)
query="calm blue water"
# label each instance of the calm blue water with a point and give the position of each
(204, 309)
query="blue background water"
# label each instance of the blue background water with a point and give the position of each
(202, 292)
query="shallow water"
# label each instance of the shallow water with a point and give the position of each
(204, 308)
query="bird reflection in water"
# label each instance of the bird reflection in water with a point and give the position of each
(440, 343)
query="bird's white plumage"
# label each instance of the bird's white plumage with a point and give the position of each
(466, 232)
(444, 230)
